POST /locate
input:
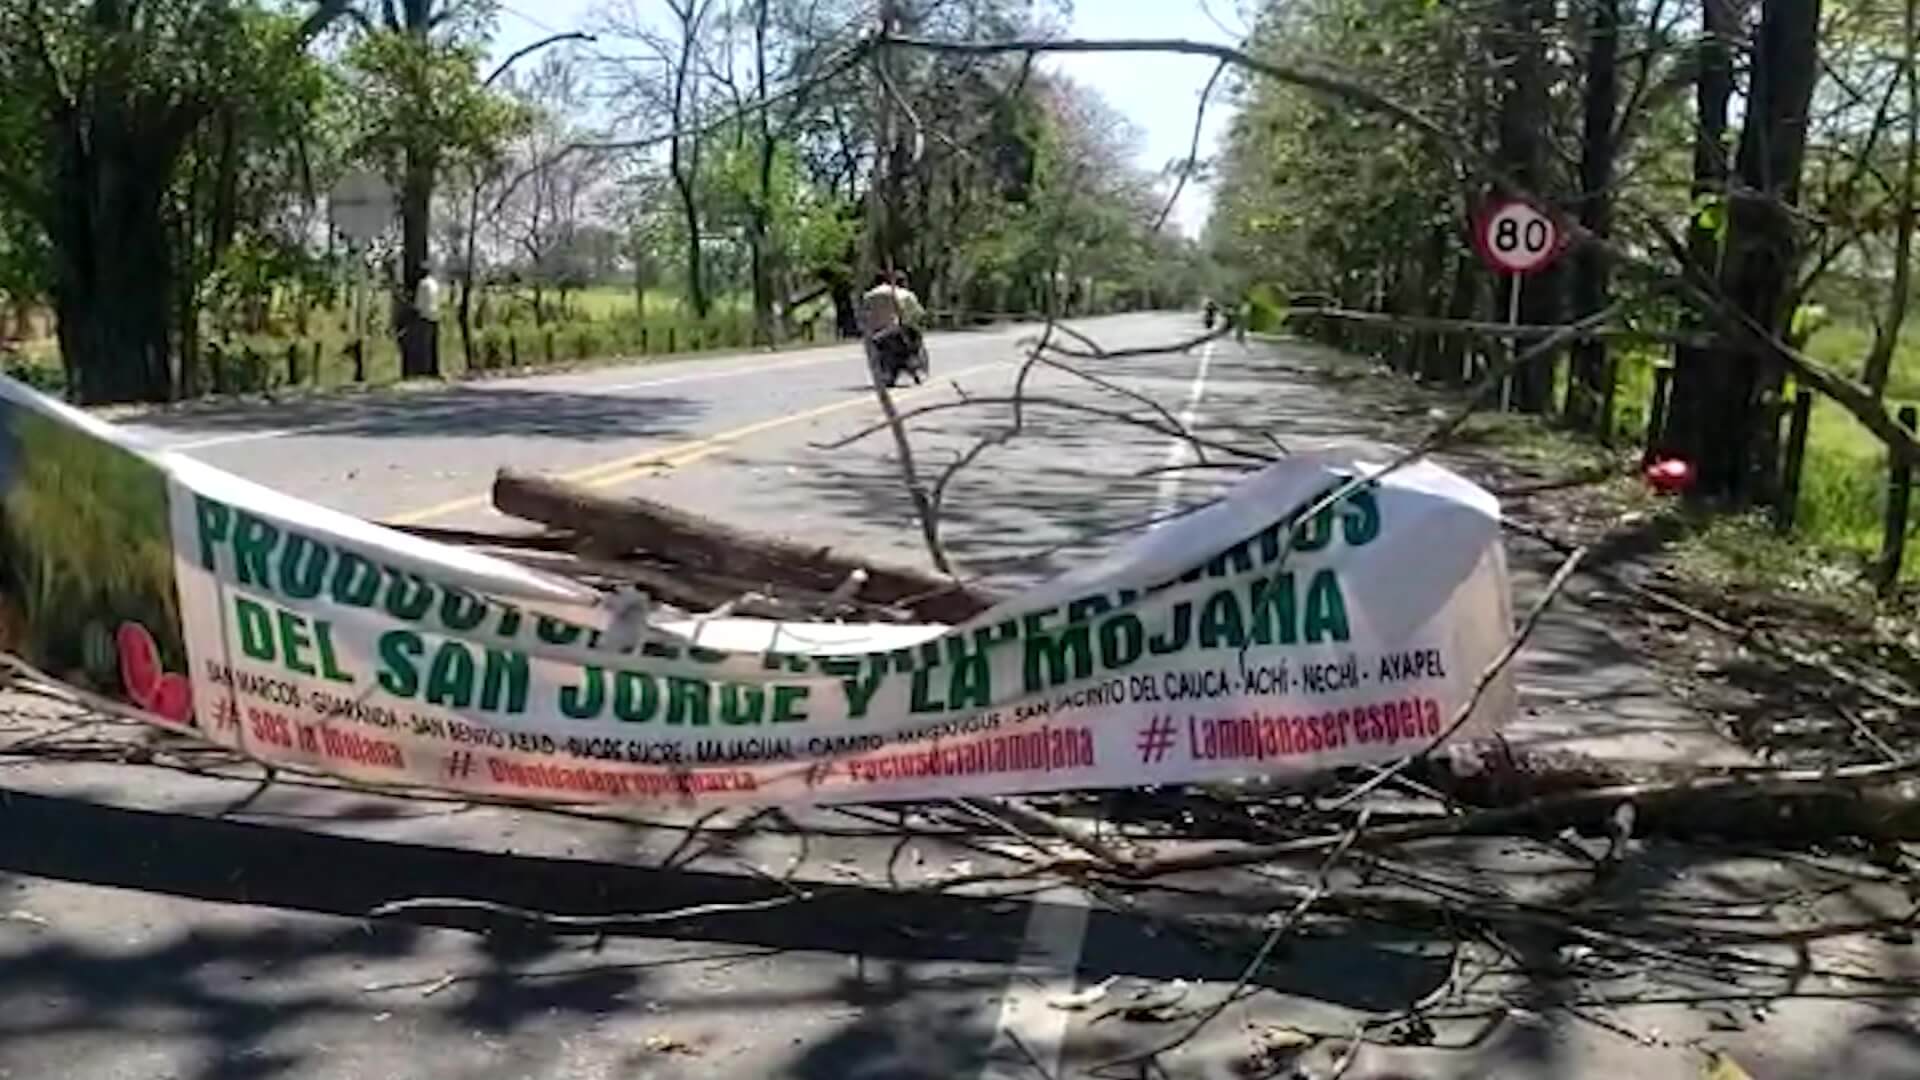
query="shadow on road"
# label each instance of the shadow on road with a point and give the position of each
(238, 862)
(456, 411)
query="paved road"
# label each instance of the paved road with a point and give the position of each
(154, 924)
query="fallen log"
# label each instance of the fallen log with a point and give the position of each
(620, 526)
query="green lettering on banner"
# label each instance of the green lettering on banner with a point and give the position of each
(252, 542)
(971, 684)
(689, 701)
(1220, 621)
(636, 697)
(921, 700)
(1360, 518)
(356, 582)
(788, 704)
(1058, 657)
(1177, 636)
(450, 677)
(409, 596)
(293, 640)
(298, 581)
(460, 610)
(586, 700)
(860, 691)
(329, 661)
(740, 705)
(398, 651)
(255, 626)
(504, 682)
(1123, 640)
(213, 522)
(1326, 609)
(1273, 611)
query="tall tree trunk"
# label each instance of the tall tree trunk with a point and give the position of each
(114, 272)
(1880, 358)
(1730, 401)
(416, 208)
(760, 217)
(1586, 389)
(1463, 300)
(1695, 379)
(1524, 123)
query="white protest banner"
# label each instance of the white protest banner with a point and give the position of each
(1238, 641)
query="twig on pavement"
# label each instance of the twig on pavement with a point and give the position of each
(583, 922)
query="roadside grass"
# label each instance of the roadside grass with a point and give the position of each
(599, 325)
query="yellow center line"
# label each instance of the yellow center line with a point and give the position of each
(620, 470)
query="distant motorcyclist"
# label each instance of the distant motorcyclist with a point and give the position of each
(1212, 310)
(890, 317)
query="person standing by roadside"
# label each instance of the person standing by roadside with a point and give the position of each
(426, 308)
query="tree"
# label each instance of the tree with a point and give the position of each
(102, 101)
(423, 108)
(1722, 395)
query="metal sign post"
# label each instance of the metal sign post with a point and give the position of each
(361, 207)
(1516, 238)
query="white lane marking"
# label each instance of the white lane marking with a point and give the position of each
(609, 388)
(1031, 1031)
(1167, 493)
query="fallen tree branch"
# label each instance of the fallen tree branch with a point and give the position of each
(1759, 800)
(1193, 148)
(634, 524)
(1520, 331)
(1281, 927)
(583, 922)
(1757, 640)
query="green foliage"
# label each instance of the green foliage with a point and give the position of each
(426, 94)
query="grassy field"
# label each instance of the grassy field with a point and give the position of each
(597, 325)
(1843, 489)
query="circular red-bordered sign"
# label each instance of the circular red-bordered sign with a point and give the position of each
(1514, 236)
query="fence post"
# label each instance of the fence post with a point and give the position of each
(1788, 509)
(1657, 410)
(358, 350)
(671, 334)
(217, 367)
(293, 363)
(319, 362)
(513, 350)
(643, 341)
(1893, 543)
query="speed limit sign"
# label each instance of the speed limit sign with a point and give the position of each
(1517, 237)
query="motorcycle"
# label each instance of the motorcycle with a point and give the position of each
(897, 351)
(1212, 313)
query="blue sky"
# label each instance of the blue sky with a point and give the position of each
(1157, 93)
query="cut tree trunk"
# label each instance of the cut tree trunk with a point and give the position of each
(622, 526)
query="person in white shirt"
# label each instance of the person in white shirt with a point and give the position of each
(888, 309)
(426, 305)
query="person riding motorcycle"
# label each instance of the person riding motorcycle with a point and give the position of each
(890, 317)
(1212, 312)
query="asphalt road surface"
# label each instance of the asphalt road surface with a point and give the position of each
(157, 924)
